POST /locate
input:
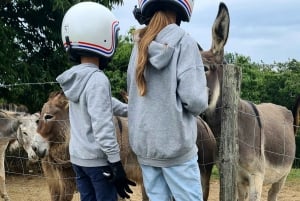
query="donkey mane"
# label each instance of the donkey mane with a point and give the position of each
(13, 107)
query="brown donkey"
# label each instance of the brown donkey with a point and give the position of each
(265, 131)
(52, 146)
(207, 147)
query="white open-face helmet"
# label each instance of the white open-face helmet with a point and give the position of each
(89, 28)
(183, 8)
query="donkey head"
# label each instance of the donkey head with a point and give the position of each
(53, 120)
(27, 132)
(213, 59)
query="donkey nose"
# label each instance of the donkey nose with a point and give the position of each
(41, 153)
(34, 148)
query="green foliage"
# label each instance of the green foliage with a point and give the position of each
(215, 174)
(294, 175)
(297, 160)
(31, 49)
(277, 83)
(117, 69)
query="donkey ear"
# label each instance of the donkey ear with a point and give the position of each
(220, 29)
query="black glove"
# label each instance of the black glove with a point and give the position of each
(118, 177)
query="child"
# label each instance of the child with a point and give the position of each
(89, 33)
(167, 91)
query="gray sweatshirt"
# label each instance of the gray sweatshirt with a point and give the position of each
(162, 124)
(93, 140)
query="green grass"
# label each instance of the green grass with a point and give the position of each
(294, 175)
(215, 173)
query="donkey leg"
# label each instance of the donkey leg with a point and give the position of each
(205, 179)
(68, 189)
(243, 185)
(52, 180)
(243, 190)
(68, 183)
(255, 188)
(275, 188)
(3, 192)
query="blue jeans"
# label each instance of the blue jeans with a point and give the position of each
(181, 182)
(92, 185)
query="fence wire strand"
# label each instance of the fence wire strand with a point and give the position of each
(26, 84)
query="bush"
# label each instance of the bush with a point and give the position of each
(297, 157)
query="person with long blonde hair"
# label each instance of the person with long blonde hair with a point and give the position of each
(167, 90)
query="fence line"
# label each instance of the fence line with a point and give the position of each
(204, 140)
(252, 115)
(22, 158)
(26, 84)
(26, 158)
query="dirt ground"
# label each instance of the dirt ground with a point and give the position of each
(34, 188)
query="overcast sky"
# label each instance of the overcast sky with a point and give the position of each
(264, 30)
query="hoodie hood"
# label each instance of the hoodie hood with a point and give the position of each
(160, 50)
(74, 80)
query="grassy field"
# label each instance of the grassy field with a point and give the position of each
(294, 175)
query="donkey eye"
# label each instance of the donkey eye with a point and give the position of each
(206, 68)
(48, 116)
(24, 133)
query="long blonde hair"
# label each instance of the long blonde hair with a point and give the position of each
(159, 20)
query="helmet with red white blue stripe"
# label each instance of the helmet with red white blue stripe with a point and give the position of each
(183, 8)
(89, 29)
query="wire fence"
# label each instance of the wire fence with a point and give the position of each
(25, 179)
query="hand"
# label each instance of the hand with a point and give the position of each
(118, 177)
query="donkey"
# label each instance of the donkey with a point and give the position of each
(18, 127)
(54, 126)
(51, 145)
(207, 147)
(265, 131)
(8, 131)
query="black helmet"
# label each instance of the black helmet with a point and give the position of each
(147, 8)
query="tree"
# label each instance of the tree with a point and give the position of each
(277, 83)
(117, 69)
(31, 50)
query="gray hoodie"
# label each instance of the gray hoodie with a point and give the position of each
(162, 124)
(93, 141)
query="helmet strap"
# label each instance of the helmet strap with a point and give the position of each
(178, 20)
(68, 43)
(73, 57)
